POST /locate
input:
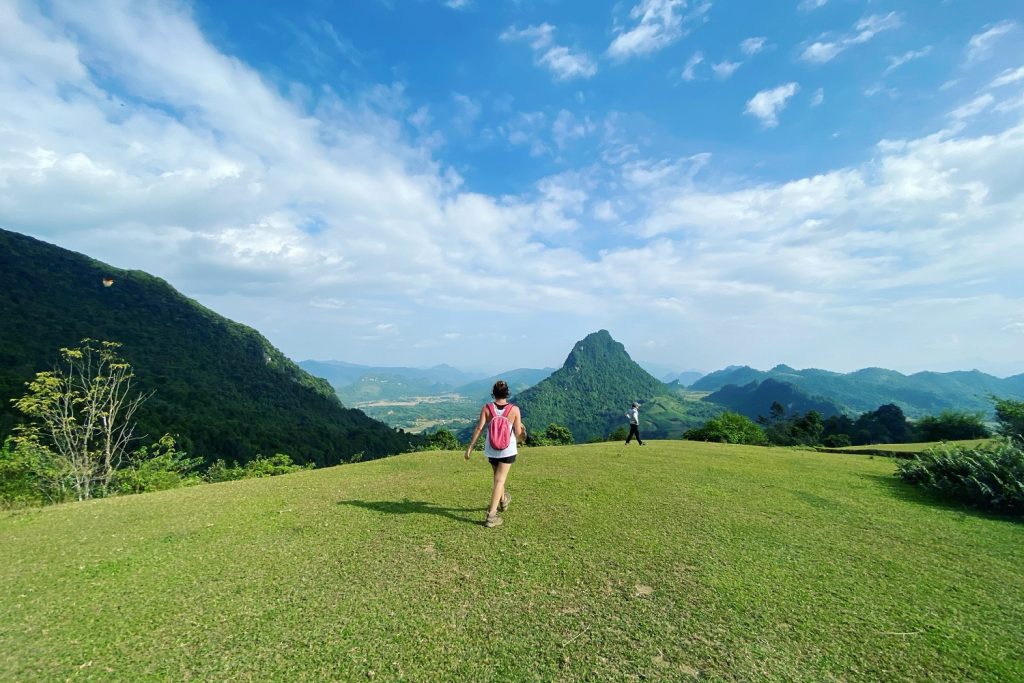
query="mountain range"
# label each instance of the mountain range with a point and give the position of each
(919, 394)
(226, 392)
(219, 386)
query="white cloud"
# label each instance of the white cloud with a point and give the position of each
(822, 51)
(689, 71)
(657, 24)
(318, 221)
(910, 55)
(979, 47)
(1007, 77)
(724, 69)
(818, 98)
(767, 104)
(973, 108)
(807, 5)
(467, 112)
(458, 4)
(567, 127)
(753, 46)
(563, 62)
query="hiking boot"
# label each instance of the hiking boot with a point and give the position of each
(492, 521)
(506, 498)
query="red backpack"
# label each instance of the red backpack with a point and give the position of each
(499, 431)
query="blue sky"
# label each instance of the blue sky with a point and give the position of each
(822, 183)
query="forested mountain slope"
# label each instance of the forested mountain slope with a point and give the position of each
(220, 386)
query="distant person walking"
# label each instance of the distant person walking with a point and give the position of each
(504, 428)
(634, 423)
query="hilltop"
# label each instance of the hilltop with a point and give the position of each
(220, 386)
(675, 562)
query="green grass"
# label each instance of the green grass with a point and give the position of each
(902, 448)
(674, 561)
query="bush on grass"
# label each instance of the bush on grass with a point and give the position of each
(729, 428)
(262, 466)
(989, 476)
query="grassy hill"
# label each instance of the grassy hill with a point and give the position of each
(218, 385)
(679, 561)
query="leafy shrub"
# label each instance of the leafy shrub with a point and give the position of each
(262, 466)
(619, 434)
(157, 468)
(31, 474)
(554, 435)
(837, 441)
(1010, 414)
(989, 476)
(951, 426)
(441, 440)
(729, 428)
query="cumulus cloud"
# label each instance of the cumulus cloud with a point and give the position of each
(656, 25)
(323, 224)
(767, 104)
(821, 51)
(690, 70)
(753, 46)
(818, 98)
(980, 46)
(568, 127)
(559, 59)
(724, 69)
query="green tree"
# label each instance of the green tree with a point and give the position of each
(558, 435)
(30, 475)
(82, 412)
(441, 440)
(1010, 414)
(729, 428)
(951, 426)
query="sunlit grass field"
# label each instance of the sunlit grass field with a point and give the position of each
(674, 561)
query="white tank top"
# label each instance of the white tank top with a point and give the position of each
(511, 449)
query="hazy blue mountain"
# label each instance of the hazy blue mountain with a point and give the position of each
(755, 399)
(669, 374)
(734, 374)
(518, 381)
(919, 394)
(341, 374)
(221, 387)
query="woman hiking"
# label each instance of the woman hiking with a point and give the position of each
(499, 446)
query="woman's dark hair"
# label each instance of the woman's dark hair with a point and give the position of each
(500, 389)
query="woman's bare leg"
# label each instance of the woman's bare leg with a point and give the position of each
(500, 473)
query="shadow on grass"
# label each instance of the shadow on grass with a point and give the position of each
(414, 507)
(912, 494)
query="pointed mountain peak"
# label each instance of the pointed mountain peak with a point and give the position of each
(596, 347)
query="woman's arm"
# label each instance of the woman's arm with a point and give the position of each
(476, 432)
(518, 428)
